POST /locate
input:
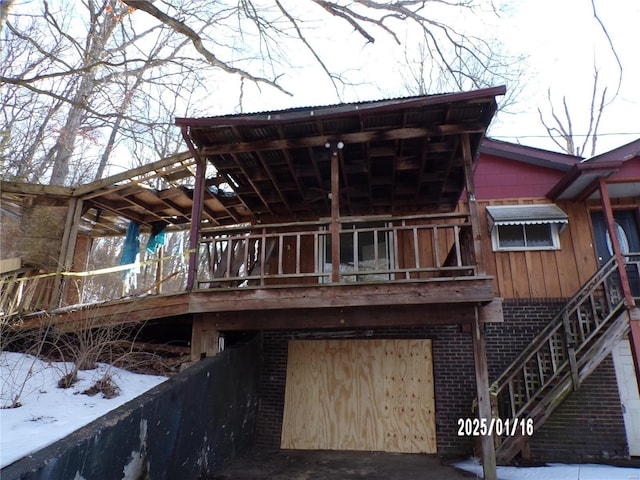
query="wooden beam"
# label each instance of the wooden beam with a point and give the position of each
(484, 398)
(448, 302)
(615, 241)
(473, 204)
(353, 317)
(335, 213)
(35, 189)
(68, 248)
(205, 338)
(132, 310)
(196, 212)
(10, 264)
(249, 178)
(91, 189)
(464, 290)
(347, 138)
(492, 312)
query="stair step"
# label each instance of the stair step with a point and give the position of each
(520, 385)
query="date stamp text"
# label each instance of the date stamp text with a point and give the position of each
(480, 427)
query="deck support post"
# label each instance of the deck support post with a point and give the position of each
(196, 211)
(205, 338)
(634, 321)
(473, 204)
(484, 396)
(335, 211)
(67, 251)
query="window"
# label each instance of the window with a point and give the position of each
(365, 253)
(526, 227)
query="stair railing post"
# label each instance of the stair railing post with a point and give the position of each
(571, 352)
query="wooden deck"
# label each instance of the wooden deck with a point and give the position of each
(442, 301)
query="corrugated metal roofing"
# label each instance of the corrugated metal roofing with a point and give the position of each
(526, 214)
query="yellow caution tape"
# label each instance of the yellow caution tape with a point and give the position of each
(101, 271)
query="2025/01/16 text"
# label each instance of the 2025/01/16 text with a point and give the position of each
(476, 427)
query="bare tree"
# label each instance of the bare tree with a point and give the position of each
(422, 74)
(91, 67)
(561, 129)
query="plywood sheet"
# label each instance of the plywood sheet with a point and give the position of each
(360, 395)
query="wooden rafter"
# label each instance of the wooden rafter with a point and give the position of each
(347, 138)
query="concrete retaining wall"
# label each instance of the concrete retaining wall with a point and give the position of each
(182, 429)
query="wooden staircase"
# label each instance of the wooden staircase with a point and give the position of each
(559, 359)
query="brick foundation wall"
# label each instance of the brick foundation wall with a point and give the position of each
(589, 425)
(454, 382)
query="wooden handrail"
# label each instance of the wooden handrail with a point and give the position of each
(562, 355)
(597, 279)
(426, 240)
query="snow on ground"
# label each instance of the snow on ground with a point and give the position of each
(49, 413)
(556, 471)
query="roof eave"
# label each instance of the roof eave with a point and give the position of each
(587, 172)
(326, 112)
(530, 155)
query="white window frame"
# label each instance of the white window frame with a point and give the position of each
(553, 230)
(360, 275)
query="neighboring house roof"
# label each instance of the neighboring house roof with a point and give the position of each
(529, 155)
(507, 170)
(399, 155)
(581, 181)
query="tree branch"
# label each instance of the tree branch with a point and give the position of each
(197, 42)
(613, 49)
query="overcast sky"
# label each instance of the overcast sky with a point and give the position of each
(561, 40)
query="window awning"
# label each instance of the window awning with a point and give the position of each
(547, 213)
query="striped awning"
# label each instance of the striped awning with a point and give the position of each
(526, 214)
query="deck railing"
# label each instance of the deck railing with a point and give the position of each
(371, 250)
(26, 290)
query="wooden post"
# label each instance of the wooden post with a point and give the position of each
(634, 315)
(335, 213)
(67, 251)
(196, 212)
(159, 270)
(473, 204)
(205, 338)
(484, 396)
(615, 241)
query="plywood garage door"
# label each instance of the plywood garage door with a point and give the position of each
(360, 395)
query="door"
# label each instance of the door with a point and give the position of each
(629, 396)
(626, 223)
(372, 395)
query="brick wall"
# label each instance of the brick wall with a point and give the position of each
(593, 413)
(589, 424)
(454, 382)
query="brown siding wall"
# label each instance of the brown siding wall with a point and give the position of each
(544, 273)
